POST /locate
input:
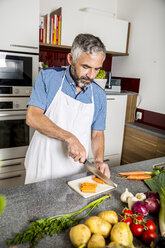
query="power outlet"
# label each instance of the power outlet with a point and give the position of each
(138, 115)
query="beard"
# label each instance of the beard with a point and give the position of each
(82, 81)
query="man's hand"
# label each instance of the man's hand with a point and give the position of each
(103, 167)
(76, 150)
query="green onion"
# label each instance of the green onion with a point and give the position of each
(157, 184)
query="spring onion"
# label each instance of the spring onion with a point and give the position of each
(157, 184)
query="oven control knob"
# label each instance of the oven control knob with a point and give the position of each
(27, 91)
(17, 105)
(16, 91)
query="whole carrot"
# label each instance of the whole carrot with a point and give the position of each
(135, 173)
(139, 177)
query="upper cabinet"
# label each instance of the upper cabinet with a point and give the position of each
(113, 32)
(19, 25)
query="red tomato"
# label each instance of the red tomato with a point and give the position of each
(136, 229)
(150, 225)
(137, 218)
(126, 211)
(126, 220)
(149, 236)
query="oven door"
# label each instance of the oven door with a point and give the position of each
(14, 134)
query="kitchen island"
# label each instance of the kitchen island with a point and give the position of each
(51, 197)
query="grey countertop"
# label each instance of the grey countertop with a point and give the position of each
(52, 197)
(122, 92)
(146, 128)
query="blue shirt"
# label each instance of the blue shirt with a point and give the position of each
(47, 84)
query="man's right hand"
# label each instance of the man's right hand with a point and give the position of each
(76, 150)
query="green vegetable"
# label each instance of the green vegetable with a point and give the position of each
(50, 226)
(157, 184)
(2, 203)
(101, 74)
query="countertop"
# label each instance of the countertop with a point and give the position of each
(52, 197)
(122, 92)
(146, 128)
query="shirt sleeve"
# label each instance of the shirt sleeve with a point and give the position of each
(99, 120)
(38, 96)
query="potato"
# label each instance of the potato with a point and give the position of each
(113, 244)
(110, 216)
(121, 234)
(96, 241)
(79, 235)
(98, 225)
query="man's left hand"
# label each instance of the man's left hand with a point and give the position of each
(103, 167)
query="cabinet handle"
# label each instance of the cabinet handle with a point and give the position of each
(111, 98)
(106, 160)
(16, 164)
(5, 178)
(32, 47)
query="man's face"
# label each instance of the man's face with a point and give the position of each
(86, 67)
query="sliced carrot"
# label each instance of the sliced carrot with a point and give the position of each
(89, 184)
(88, 190)
(132, 173)
(139, 177)
(98, 180)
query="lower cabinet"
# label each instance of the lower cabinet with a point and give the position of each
(115, 121)
(12, 173)
(139, 146)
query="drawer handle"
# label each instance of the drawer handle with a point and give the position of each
(112, 99)
(32, 47)
(106, 160)
(5, 178)
(11, 165)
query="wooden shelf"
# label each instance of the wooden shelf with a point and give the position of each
(61, 47)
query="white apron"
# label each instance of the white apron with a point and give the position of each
(47, 157)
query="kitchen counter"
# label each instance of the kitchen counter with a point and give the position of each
(122, 92)
(52, 197)
(146, 128)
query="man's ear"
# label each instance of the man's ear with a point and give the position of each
(70, 58)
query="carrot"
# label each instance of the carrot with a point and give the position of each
(98, 180)
(132, 173)
(139, 177)
(88, 190)
(89, 184)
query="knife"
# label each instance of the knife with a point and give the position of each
(98, 173)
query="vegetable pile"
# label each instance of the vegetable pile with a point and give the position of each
(101, 74)
(50, 226)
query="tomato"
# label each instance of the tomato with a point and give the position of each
(150, 225)
(126, 219)
(136, 229)
(149, 236)
(126, 211)
(137, 219)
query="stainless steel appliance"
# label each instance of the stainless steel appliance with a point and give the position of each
(14, 133)
(17, 73)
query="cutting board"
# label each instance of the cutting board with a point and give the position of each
(76, 185)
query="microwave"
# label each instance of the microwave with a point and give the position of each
(17, 73)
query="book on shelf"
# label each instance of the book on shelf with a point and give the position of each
(51, 31)
(41, 29)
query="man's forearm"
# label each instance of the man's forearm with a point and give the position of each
(98, 145)
(40, 122)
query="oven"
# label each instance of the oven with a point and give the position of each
(17, 73)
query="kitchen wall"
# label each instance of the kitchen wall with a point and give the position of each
(146, 50)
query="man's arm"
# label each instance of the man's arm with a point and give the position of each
(98, 152)
(35, 118)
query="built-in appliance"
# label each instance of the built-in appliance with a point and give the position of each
(112, 84)
(17, 73)
(14, 133)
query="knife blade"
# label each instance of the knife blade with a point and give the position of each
(98, 173)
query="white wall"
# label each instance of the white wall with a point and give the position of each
(146, 58)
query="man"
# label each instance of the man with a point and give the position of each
(67, 109)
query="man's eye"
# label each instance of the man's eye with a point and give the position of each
(85, 67)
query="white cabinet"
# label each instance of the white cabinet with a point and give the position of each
(116, 109)
(113, 32)
(19, 25)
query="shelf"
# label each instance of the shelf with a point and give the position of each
(61, 47)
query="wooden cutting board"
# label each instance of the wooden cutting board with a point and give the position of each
(76, 185)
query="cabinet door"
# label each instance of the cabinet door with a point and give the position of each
(116, 108)
(113, 32)
(19, 25)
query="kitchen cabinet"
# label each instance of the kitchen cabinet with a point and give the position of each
(19, 25)
(139, 145)
(115, 121)
(12, 173)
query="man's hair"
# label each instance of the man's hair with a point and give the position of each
(87, 43)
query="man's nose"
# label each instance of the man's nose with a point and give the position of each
(91, 73)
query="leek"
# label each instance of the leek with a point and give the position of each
(157, 184)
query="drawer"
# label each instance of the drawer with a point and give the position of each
(11, 179)
(12, 165)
